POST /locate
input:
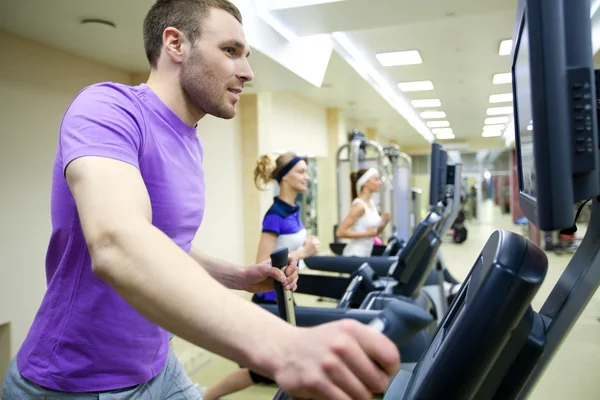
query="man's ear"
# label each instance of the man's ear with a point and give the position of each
(174, 44)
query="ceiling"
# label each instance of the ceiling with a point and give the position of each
(458, 41)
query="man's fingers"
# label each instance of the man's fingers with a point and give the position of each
(318, 388)
(376, 346)
(361, 366)
(274, 273)
(343, 377)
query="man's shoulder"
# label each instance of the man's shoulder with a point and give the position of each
(108, 92)
(105, 101)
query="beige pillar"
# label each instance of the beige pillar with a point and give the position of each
(372, 134)
(255, 110)
(250, 147)
(327, 188)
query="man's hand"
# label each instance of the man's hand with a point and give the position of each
(341, 360)
(258, 278)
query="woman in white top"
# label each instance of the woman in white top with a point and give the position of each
(363, 223)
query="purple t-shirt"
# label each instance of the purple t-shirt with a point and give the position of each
(85, 337)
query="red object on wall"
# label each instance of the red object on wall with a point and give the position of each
(514, 183)
(496, 183)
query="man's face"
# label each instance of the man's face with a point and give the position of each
(214, 73)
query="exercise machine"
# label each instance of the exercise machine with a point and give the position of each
(395, 196)
(503, 345)
(443, 204)
(397, 321)
(407, 272)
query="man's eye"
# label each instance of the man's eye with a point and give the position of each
(230, 50)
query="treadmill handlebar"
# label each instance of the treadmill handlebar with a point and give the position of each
(285, 301)
(389, 322)
(279, 258)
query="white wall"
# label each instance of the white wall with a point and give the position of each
(36, 86)
(221, 233)
(297, 124)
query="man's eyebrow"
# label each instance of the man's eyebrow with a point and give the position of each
(235, 43)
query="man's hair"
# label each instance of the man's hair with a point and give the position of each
(185, 15)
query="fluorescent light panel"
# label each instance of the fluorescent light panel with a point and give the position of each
(501, 98)
(499, 110)
(426, 103)
(496, 120)
(446, 136)
(492, 134)
(397, 58)
(438, 124)
(493, 128)
(442, 131)
(505, 48)
(433, 114)
(500, 79)
(418, 86)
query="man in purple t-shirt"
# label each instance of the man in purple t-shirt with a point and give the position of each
(127, 199)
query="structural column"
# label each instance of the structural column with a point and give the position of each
(327, 215)
(372, 134)
(254, 112)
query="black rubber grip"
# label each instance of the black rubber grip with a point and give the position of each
(395, 321)
(279, 259)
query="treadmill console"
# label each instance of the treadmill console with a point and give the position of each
(491, 312)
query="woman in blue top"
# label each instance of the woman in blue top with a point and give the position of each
(282, 227)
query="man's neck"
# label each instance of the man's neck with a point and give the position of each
(174, 97)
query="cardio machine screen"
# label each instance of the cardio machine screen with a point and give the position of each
(522, 76)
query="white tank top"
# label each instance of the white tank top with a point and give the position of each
(363, 247)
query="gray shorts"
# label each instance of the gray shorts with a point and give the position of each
(172, 383)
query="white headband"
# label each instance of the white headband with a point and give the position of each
(365, 177)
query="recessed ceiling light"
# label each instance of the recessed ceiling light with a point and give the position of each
(500, 79)
(492, 134)
(433, 114)
(499, 110)
(445, 136)
(496, 120)
(426, 103)
(501, 98)
(415, 86)
(505, 48)
(493, 128)
(438, 124)
(442, 131)
(393, 59)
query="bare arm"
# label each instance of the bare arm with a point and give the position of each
(160, 280)
(267, 245)
(343, 229)
(226, 273)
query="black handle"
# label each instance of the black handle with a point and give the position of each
(279, 260)
(390, 321)
(387, 322)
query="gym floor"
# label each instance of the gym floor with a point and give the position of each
(573, 373)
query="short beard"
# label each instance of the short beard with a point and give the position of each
(201, 89)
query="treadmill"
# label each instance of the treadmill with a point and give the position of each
(492, 344)
(445, 180)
